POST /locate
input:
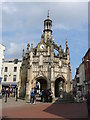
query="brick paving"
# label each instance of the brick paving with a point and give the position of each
(21, 109)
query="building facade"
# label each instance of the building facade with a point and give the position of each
(2, 50)
(11, 73)
(86, 60)
(41, 64)
(79, 80)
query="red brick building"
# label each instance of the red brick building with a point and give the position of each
(87, 69)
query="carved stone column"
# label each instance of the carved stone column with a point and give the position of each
(53, 89)
(28, 85)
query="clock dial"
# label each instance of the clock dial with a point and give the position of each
(41, 46)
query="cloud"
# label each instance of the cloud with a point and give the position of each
(29, 16)
(8, 9)
(61, 26)
(15, 50)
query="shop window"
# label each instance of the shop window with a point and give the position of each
(6, 69)
(5, 77)
(15, 69)
(14, 78)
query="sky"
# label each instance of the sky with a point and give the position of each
(22, 23)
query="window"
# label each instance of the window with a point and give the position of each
(15, 69)
(5, 77)
(15, 61)
(14, 78)
(6, 69)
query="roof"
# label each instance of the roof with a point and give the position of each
(2, 46)
(87, 53)
(12, 60)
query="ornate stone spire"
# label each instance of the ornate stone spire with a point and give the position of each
(66, 43)
(47, 28)
(31, 47)
(28, 48)
(42, 37)
(60, 51)
(48, 14)
(67, 48)
(60, 48)
(22, 53)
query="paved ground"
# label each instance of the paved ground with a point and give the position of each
(21, 109)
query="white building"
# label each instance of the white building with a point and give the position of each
(2, 50)
(82, 77)
(11, 72)
(79, 80)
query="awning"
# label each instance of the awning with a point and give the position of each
(9, 83)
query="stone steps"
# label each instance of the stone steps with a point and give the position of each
(59, 100)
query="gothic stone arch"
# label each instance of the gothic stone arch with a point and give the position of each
(59, 85)
(42, 79)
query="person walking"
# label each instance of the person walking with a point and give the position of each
(32, 96)
(16, 90)
(6, 91)
(35, 92)
(37, 87)
(50, 95)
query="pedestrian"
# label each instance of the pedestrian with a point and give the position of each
(50, 95)
(41, 95)
(46, 95)
(16, 90)
(11, 90)
(32, 96)
(6, 91)
(37, 87)
(3, 92)
(88, 102)
(35, 92)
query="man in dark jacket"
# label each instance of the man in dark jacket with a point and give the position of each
(88, 102)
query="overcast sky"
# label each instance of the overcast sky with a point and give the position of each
(22, 22)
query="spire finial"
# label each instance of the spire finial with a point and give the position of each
(48, 13)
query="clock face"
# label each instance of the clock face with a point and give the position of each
(41, 46)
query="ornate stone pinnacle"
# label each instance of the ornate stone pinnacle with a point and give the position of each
(66, 43)
(23, 53)
(48, 14)
(28, 45)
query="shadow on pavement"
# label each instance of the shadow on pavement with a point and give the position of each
(68, 110)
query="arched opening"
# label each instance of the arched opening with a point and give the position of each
(56, 53)
(59, 87)
(42, 83)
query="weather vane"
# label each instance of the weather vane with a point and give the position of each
(48, 13)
